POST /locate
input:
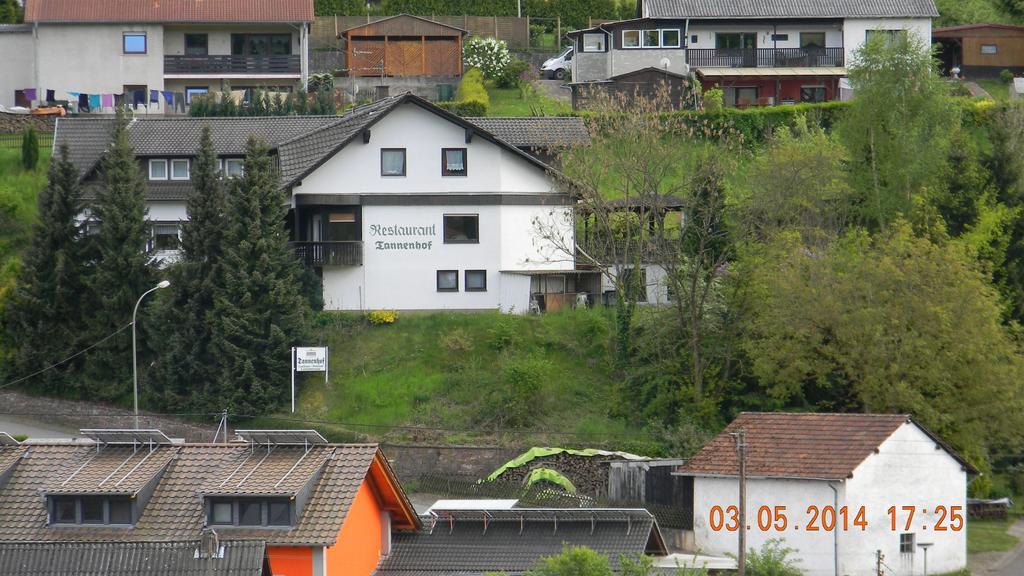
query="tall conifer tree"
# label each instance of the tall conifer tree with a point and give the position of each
(42, 316)
(260, 312)
(123, 269)
(185, 374)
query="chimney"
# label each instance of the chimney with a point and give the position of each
(209, 544)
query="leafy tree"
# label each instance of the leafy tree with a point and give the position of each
(1007, 166)
(29, 149)
(892, 323)
(122, 271)
(10, 12)
(573, 561)
(186, 373)
(897, 127)
(773, 559)
(42, 317)
(259, 313)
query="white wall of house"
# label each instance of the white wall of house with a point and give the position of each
(89, 58)
(705, 34)
(491, 168)
(855, 30)
(656, 288)
(910, 469)
(814, 549)
(17, 65)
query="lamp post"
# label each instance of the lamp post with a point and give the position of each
(135, 359)
(924, 546)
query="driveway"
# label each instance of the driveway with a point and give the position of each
(33, 428)
(553, 89)
(1001, 563)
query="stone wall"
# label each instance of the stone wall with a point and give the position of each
(17, 123)
(464, 462)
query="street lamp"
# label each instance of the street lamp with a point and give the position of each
(924, 546)
(135, 360)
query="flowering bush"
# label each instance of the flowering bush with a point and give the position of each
(382, 317)
(490, 55)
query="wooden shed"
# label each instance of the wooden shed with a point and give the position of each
(981, 49)
(404, 45)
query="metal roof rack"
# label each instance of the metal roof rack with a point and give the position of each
(8, 440)
(127, 437)
(281, 437)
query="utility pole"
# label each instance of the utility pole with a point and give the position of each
(878, 562)
(741, 453)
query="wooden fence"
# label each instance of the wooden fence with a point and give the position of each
(13, 141)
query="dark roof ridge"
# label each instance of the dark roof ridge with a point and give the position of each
(339, 118)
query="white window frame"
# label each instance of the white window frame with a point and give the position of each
(639, 35)
(643, 37)
(228, 162)
(989, 49)
(157, 162)
(679, 37)
(188, 169)
(591, 35)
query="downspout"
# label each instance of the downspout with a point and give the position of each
(686, 44)
(35, 59)
(304, 65)
(835, 533)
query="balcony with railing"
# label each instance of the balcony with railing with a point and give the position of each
(765, 57)
(283, 65)
(329, 253)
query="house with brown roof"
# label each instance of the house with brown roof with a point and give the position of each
(314, 508)
(836, 488)
(153, 56)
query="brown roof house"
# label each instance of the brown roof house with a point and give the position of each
(836, 488)
(93, 55)
(313, 507)
(981, 50)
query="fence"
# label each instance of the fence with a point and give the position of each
(548, 33)
(13, 141)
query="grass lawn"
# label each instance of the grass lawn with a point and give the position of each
(999, 91)
(509, 102)
(18, 191)
(461, 377)
(989, 536)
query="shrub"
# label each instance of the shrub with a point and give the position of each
(714, 100)
(472, 95)
(29, 149)
(771, 560)
(472, 108)
(513, 74)
(382, 317)
(1006, 76)
(489, 55)
(523, 378)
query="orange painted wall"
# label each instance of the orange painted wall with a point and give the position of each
(357, 550)
(290, 560)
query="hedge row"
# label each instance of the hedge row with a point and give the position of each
(472, 98)
(574, 13)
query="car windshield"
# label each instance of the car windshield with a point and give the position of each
(565, 52)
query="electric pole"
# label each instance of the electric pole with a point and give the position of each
(741, 453)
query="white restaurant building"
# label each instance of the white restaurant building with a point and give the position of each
(396, 205)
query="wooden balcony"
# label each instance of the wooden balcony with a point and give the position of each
(244, 65)
(765, 57)
(329, 253)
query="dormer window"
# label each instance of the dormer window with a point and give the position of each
(158, 169)
(179, 169)
(248, 511)
(234, 167)
(91, 510)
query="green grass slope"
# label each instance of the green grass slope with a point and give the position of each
(18, 191)
(467, 377)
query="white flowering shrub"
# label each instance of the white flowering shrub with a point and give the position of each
(490, 55)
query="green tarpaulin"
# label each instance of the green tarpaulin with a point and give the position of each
(539, 452)
(549, 475)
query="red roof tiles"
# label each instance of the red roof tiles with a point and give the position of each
(781, 445)
(168, 11)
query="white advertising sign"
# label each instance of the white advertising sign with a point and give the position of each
(311, 359)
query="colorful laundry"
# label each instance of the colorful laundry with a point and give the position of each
(108, 100)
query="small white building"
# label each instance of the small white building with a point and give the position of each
(802, 467)
(395, 205)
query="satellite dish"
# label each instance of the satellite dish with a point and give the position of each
(665, 63)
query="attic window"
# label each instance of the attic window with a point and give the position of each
(246, 511)
(158, 169)
(989, 49)
(90, 510)
(593, 42)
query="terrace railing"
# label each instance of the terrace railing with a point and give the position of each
(254, 65)
(765, 57)
(329, 253)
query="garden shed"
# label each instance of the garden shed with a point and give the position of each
(404, 45)
(981, 50)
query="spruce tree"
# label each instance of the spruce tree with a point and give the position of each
(123, 269)
(42, 319)
(259, 312)
(185, 374)
(29, 149)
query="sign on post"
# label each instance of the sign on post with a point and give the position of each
(308, 359)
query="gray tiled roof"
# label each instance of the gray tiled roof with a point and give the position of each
(174, 511)
(15, 28)
(537, 131)
(240, 558)
(300, 142)
(789, 8)
(515, 541)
